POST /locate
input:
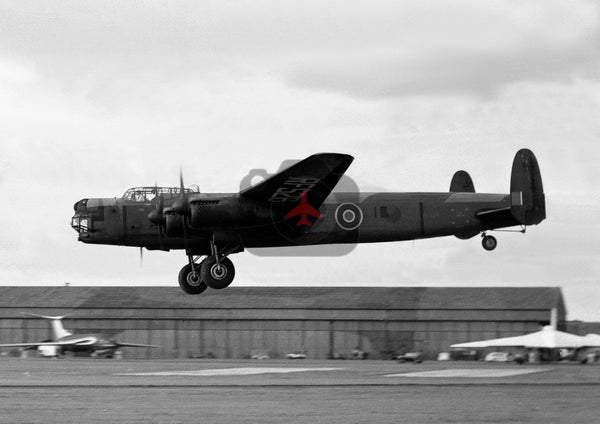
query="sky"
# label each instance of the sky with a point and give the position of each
(97, 97)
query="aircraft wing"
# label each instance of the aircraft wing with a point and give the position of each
(135, 345)
(38, 344)
(316, 175)
(490, 212)
(518, 341)
(546, 338)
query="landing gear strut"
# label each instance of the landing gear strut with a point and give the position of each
(215, 271)
(488, 242)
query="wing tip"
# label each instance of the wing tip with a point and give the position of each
(333, 155)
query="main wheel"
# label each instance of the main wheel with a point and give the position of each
(489, 242)
(191, 282)
(217, 276)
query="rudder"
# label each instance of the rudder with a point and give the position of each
(528, 204)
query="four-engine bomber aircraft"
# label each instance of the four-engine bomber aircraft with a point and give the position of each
(65, 341)
(296, 207)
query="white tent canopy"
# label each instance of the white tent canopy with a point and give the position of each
(548, 337)
(592, 340)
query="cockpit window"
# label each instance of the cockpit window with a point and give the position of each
(147, 194)
(80, 223)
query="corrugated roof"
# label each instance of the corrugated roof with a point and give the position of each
(391, 298)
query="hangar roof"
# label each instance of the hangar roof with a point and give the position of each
(328, 298)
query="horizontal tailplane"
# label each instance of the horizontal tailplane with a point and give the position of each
(528, 204)
(56, 322)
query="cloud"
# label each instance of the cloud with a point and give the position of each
(100, 96)
(363, 49)
(462, 48)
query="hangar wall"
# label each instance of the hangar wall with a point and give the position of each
(320, 321)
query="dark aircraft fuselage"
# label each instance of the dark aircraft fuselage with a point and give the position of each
(377, 217)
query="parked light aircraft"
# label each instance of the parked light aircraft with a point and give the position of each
(214, 226)
(64, 341)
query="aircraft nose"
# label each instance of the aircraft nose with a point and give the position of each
(82, 220)
(98, 220)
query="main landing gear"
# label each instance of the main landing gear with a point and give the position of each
(488, 242)
(190, 280)
(215, 271)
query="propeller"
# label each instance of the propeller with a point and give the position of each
(175, 216)
(180, 205)
(157, 216)
(181, 185)
(170, 219)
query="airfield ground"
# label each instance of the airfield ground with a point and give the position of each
(302, 391)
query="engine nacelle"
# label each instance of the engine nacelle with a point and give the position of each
(226, 212)
(173, 224)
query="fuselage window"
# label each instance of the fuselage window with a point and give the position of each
(383, 212)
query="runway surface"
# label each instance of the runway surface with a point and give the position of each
(302, 391)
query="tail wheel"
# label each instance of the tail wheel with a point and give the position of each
(489, 242)
(191, 282)
(217, 275)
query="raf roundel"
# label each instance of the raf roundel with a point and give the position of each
(348, 216)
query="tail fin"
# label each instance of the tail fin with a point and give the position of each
(58, 330)
(528, 204)
(462, 183)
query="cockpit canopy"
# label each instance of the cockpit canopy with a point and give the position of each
(147, 194)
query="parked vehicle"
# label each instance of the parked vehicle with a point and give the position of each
(443, 356)
(415, 357)
(260, 355)
(464, 355)
(499, 357)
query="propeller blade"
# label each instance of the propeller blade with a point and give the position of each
(181, 186)
(182, 194)
(161, 225)
(160, 215)
(157, 215)
(180, 205)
